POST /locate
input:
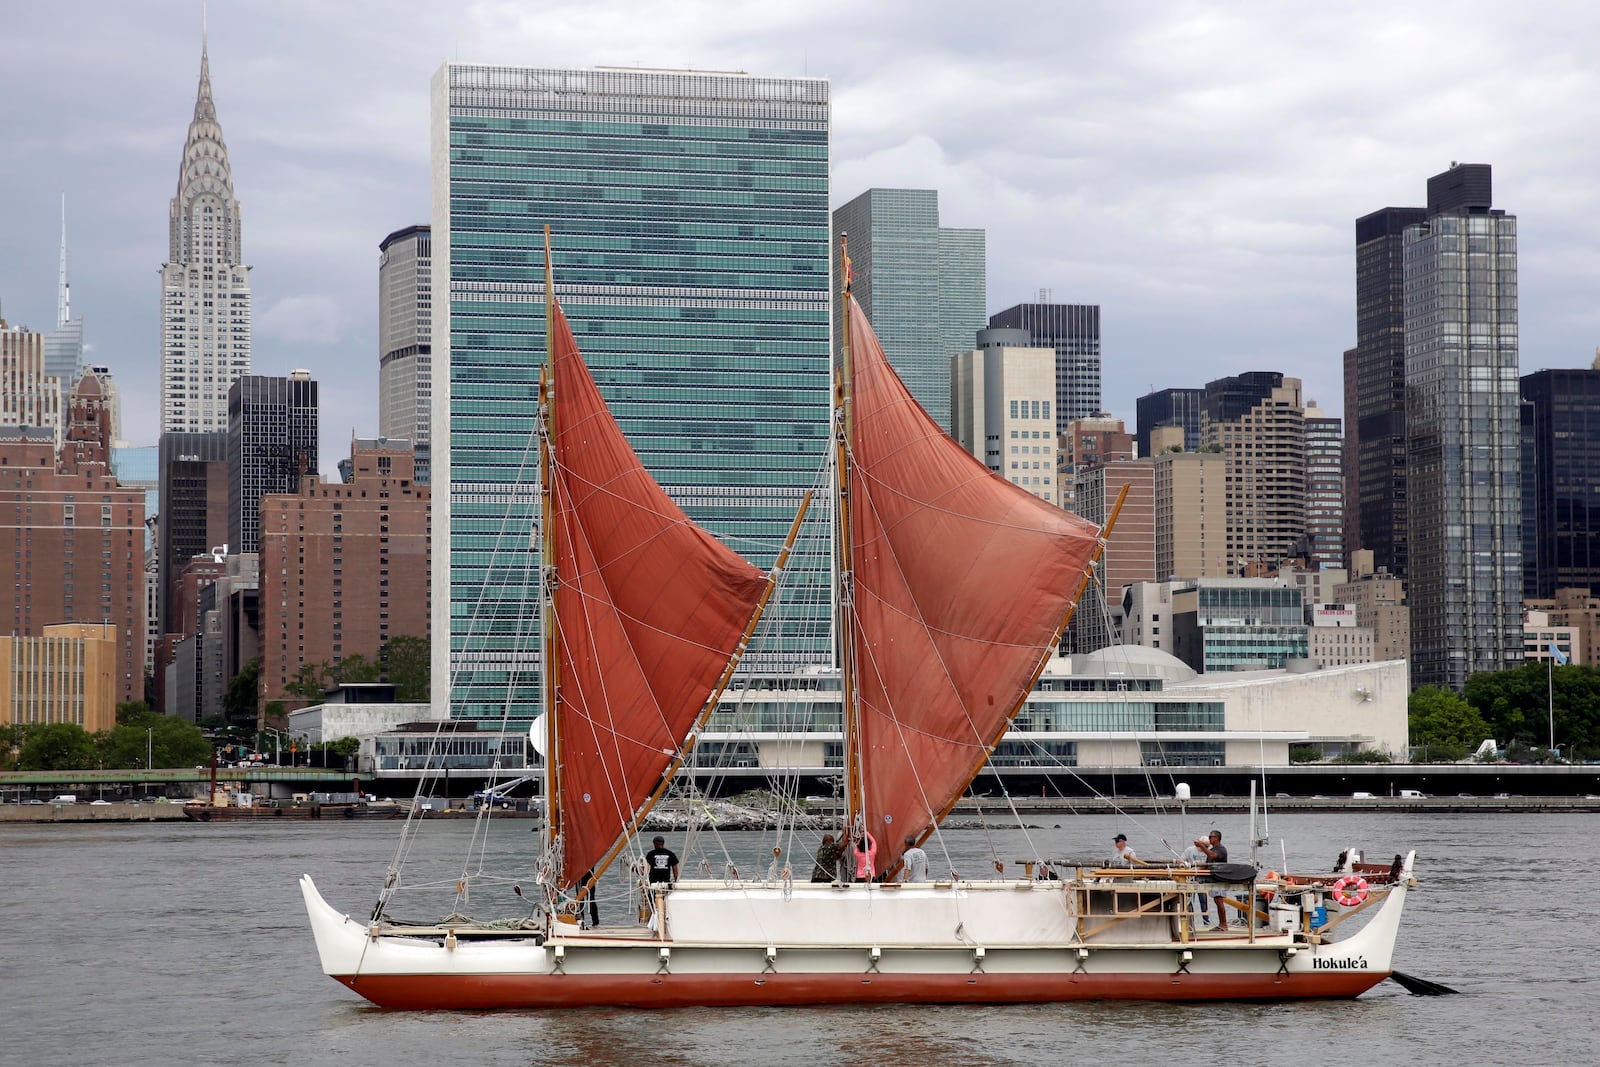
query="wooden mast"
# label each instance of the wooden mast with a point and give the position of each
(844, 578)
(549, 633)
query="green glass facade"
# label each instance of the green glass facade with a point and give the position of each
(1238, 624)
(690, 229)
(921, 286)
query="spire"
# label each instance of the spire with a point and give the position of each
(63, 290)
(205, 156)
(205, 108)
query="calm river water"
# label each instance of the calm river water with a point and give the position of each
(186, 943)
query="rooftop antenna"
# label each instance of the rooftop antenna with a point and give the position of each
(63, 293)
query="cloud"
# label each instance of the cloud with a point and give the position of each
(1197, 170)
(302, 320)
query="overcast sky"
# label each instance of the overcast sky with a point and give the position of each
(1194, 169)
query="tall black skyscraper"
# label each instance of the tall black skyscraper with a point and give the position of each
(1561, 497)
(1375, 486)
(1169, 407)
(272, 440)
(1073, 330)
(193, 517)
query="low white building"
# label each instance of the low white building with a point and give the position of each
(1121, 706)
(359, 710)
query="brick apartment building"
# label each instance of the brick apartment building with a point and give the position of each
(74, 539)
(344, 568)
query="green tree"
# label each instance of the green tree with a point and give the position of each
(239, 705)
(1517, 705)
(355, 668)
(129, 710)
(310, 681)
(407, 662)
(11, 737)
(165, 740)
(345, 749)
(274, 715)
(1364, 755)
(1444, 725)
(58, 746)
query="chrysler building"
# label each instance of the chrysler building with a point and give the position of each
(205, 286)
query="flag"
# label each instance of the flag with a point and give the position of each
(1556, 654)
(849, 273)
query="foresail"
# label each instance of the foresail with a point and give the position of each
(961, 579)
(650, 609)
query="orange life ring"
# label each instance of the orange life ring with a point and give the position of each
(1350, 890)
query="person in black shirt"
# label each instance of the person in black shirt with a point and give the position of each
(661, 863)
(591, 886)
(1216, 852)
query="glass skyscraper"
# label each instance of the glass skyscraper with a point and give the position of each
(272, 442)
(922, 286)
(1561, 481)
(1168, 407)
(1073, 330)
(1375, 411)
(689, 219)
(1463, 434)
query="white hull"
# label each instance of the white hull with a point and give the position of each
(763, 943)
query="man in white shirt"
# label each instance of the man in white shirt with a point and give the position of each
(916, 861)
(1124, 857)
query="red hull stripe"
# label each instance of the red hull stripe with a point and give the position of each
(478, 992)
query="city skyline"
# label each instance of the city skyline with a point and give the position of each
(1138, 181)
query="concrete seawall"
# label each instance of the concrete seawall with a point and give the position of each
(121, 811)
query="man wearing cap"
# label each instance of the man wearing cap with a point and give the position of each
(1124, 856)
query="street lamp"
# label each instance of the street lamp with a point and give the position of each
(149, 747)
(277, 745)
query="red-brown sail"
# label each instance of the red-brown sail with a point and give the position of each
(961, 580)
(650, 609)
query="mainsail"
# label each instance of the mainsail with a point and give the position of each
(961, 580)
(649, 611)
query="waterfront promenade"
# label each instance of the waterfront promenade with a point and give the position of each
(1032, 809)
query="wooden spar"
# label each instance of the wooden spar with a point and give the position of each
(1044, 660)
(843, 418)
(710, 706)
(549, 632)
